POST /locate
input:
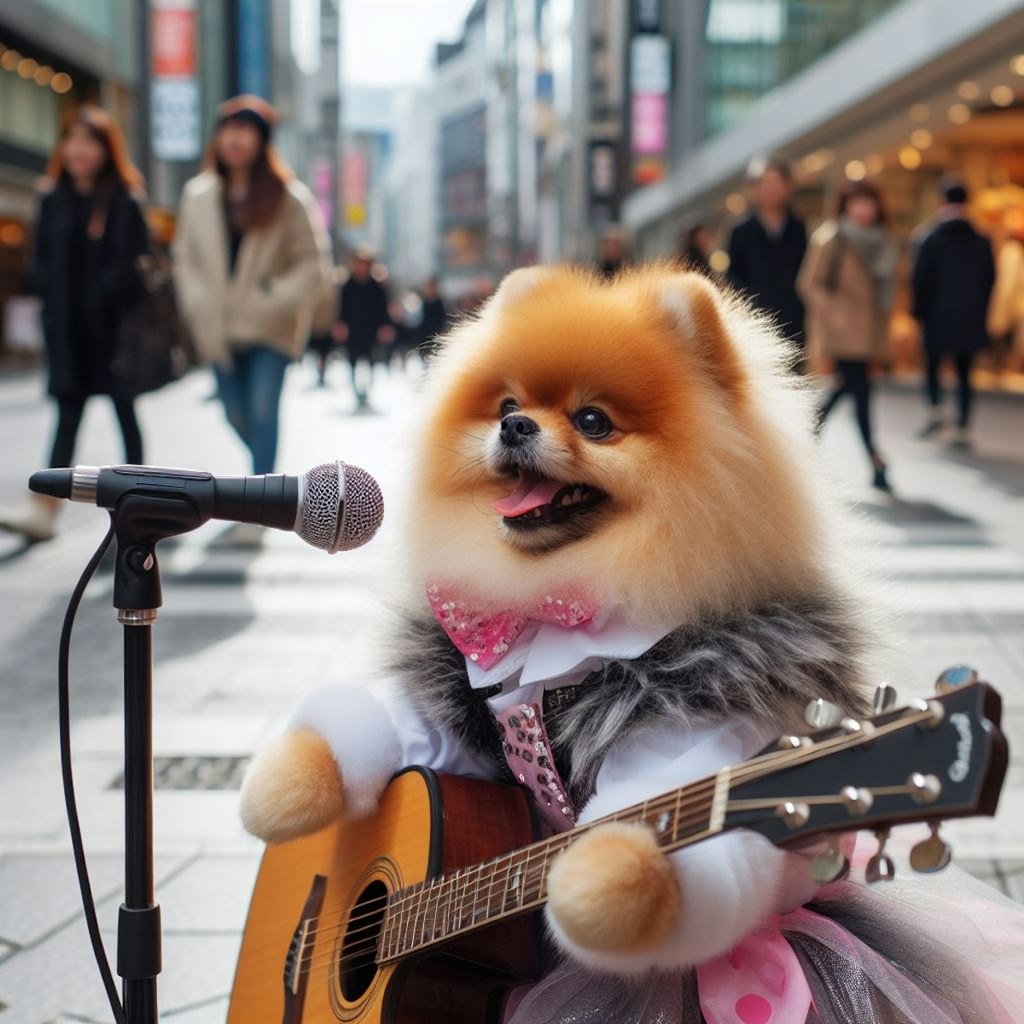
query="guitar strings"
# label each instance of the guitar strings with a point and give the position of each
(533, 876)
(553, 844)
(411, 890)
(655, 804)
(483, 887)
(316, 960)
(308, 963)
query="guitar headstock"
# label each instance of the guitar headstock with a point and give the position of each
(933, 759)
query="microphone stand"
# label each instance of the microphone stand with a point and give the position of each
(140, 522)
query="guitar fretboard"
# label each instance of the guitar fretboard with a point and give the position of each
(435, 911)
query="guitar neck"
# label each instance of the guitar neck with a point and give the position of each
(438, 910)
(780, 793)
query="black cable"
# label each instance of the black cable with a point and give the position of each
(64, 719)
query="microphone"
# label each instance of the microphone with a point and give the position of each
(334, 506)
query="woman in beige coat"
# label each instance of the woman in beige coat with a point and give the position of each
(847, 283)
(250, 258)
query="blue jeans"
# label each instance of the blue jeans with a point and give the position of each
(251, 393)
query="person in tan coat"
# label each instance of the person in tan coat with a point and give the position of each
(250, 259)
(847, 283)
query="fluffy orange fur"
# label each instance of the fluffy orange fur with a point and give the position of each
(614, 891)
(292, 788)
(712, 506)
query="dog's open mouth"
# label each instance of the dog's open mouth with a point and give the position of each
(538, 501)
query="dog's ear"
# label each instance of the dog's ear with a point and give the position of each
(517, 285)
(695, 312)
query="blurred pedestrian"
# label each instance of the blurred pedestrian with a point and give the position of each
(767, 247)
(90, 233)
(250, 255)
(952, 285)
(613, 250)
(434, 321)
(1006, 309)
(848, 280)
(321, 342)
(695, 242)
(363, 323)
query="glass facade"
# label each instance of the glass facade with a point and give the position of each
(755, 45)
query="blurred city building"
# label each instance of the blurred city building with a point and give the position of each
(896, 90)
(161, 67)
(54, 55)
(369, 124)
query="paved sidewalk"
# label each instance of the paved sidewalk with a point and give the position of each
(244, 632)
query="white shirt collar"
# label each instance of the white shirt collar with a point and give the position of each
(546, 652)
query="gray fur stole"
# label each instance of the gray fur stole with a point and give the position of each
(764, 665)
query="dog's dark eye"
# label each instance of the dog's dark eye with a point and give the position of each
(592, 423)
(507, 407)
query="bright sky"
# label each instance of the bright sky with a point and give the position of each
(389, 42)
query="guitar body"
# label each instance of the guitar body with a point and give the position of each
(426, 825)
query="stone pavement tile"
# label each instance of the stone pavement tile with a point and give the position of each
(1012, 872)
(33, 801)
(55, 978)
(1000, 838)
(198, 969)
(172, 735)
(210, 895)
(39, 891)
(213, 1012)
(986, 871)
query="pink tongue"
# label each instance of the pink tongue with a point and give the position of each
(531, 493)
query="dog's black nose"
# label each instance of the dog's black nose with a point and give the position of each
(516, 429)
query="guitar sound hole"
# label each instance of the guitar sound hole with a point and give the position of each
(359, 950)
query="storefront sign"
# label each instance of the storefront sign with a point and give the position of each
(175, 89)
(650, 82)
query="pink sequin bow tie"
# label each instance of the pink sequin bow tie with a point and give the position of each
(485, 637)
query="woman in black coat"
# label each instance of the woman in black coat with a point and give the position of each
(90, 233)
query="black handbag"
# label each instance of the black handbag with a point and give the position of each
(152, 347)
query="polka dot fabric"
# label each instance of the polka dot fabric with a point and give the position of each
(525, 742)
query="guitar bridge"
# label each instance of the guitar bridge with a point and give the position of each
(294, 969)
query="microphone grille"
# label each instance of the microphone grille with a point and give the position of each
(342, 507)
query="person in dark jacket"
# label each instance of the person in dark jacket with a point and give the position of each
(363, 323)
(767, 248)
(90, 233)
(434, 321)
(952, 284)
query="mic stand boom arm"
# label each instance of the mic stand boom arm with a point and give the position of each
(141, 521)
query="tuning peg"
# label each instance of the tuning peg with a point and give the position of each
(884, 698)
(931, 854)
(820, 714)
(955, 676)
(880, 867)
(830, 864)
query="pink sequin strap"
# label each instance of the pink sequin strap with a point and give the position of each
(759, 981)
(485, 636)
(528, 753)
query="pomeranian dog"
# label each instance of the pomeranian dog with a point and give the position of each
(628, 465)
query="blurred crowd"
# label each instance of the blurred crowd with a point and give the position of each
(832, 293)
(249, 286)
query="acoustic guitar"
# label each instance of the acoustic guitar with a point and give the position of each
(428, 911)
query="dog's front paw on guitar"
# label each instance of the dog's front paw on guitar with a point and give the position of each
(292, 788)
(614, 891)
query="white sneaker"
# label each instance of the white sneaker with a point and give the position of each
(35, 520)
